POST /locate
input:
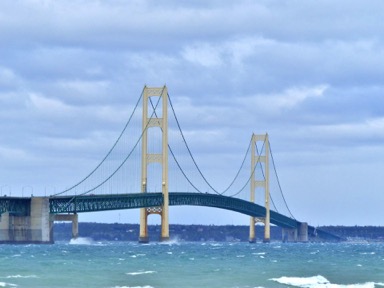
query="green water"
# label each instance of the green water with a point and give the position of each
(126, 264)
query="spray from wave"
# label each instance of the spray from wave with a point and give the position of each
(173, 241)
(81, 241)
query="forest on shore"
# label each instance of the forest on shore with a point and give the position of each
(219, 233)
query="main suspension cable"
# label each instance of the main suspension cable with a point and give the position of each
(129, 154)
(252, 173)
(109, 152)
(262, 172)
(278, 181)
(194, 161)
(174, 157)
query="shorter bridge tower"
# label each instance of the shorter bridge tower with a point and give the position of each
(150, 121)
(262, 158)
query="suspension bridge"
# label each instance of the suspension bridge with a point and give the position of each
(151, 167)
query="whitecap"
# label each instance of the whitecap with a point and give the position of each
(140, 273)
(3, 284)
(302, 281)
(21, 276)
(260, 253)
(216, 244)
(81, 241)
(147, 286)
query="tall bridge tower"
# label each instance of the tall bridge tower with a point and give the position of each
(153, 121)
(262, 158)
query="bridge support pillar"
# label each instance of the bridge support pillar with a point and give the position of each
(303, 232)
(4, 227)
(37, 227)
(41, 222)
(74, 218)
(299, 234)
(252, 233)
(143, 235)
(289, 234)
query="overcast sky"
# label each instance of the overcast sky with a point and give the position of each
(310, 73)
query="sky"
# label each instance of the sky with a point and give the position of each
(309, 73)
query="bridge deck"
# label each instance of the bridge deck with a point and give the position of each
(93, 203)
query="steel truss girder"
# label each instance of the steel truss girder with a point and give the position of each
(229, 203)
(92, 203)
(15, 205)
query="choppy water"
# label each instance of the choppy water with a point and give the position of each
(84, 263)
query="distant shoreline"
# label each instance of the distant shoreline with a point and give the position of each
(219, 233)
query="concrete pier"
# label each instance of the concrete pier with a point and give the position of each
(299, 234)
(74, 218)
(34, 228)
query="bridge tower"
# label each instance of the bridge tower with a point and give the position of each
(150, 121)
(262, 158)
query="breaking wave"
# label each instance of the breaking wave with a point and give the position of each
(318, 282)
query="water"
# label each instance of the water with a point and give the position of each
(84, 263)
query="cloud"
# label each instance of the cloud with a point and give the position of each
(7, 78)
(291, 98)
(53, 106)
(367, 132)
(204, 55)
(7, 154)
